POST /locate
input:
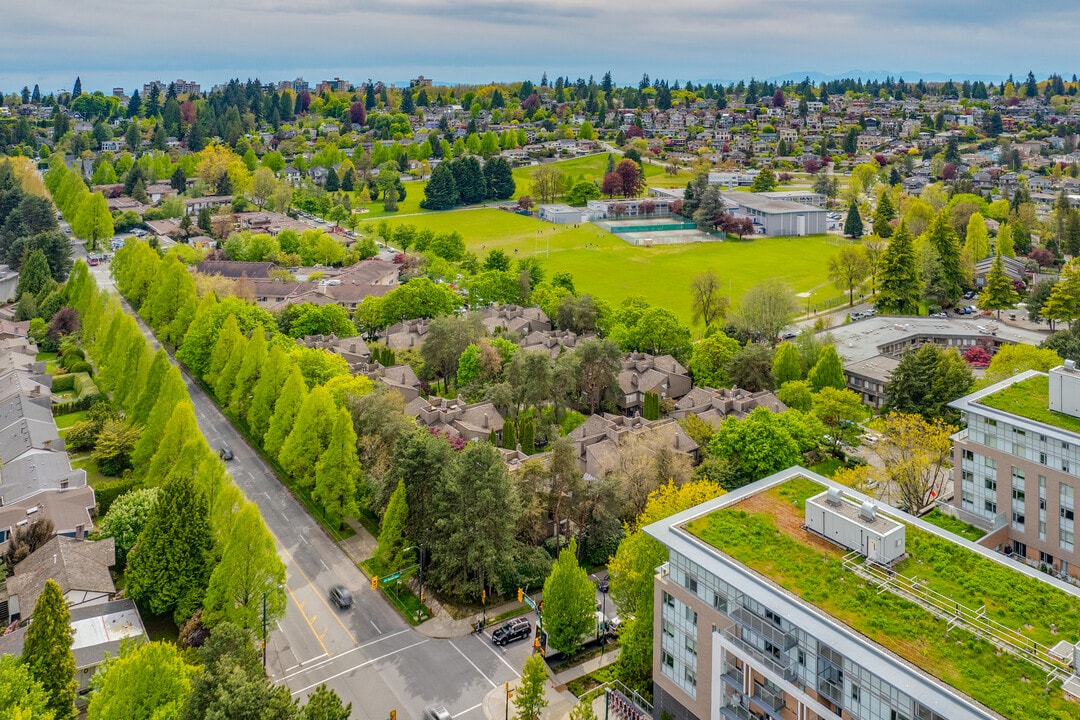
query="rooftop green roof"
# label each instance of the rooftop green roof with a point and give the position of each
(1030, 398)
(763, 532)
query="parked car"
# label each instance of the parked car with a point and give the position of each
(436, 712)
(340, 596)
(517, 629)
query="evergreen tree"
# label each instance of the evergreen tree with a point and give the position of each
(998, 293)
(324, 704)
(272, 376)
(853, 226)
(943, 238)
(469, 179)
(528, 436)
(787, 364)
(76, 89)
(926, 380)
(227, 339)
(34, 274)
(332, 184)
(172, 392)
(441, 190)
(569, 602)
(179, 443)
(828, 372)
(250, 579)
(899, 284)
(509, 435)
(226, 379)
(309, 437)
(248, 374)
(392, 534)
(882, 215)
(47, 651)
(529, 699)
(286, 408)
(500, 179)
(170, 565)
(338, 473)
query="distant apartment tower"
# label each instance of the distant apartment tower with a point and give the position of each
(183, 87)
(298, 85)
(1016, 466)
(335, 85)
(795, 598)
(420, 81)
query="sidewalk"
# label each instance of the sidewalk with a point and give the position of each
(558, 708)
(587, 667)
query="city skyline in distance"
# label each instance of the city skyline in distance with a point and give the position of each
(49, 42)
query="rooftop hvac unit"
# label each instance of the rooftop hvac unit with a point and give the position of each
(1070, 365)
(835, 496)
(868, 510)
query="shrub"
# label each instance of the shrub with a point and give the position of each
(81, 366)
(107, 492)
(63, 383)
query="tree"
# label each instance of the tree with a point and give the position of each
(848, 269)
(764, 181)
(309, 437)
(263, 185)
(707, 300)
(828, 371)
(914, 451)
(126, 518)
(840, 411)
(853, 225)
(547, 182)
(247, 587)
(764, 310)
(476, 511)
(942, 237)
(926, 380)
(169, 567)
(93, 221)
(883, 214)
(441, 191)
(21, 696)
(786, 364)
(751, 367)
(47, 651)
(759, 444)
(324, 704)
(977, 239)
(709, 359)
(286, 407)
(1063, 302)
(901, 286)
(144, 682)
(337, 473)
(998, 293)
(392, 533)
(1014, 359)
(500, 179)
(598, 364)
(529, 698)
(34, 274)
(569, 602)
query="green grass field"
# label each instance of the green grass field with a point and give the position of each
(611, 269)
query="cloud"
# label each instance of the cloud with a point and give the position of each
(128, 42)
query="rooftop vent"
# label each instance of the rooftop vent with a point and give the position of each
(834, 496)
(1070, 365)
(868, 511)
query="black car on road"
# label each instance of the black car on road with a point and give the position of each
(516, 629)
(340, 596)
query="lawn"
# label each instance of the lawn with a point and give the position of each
(1031, 399)
(68, 419)
(814, 571)
(611, 269)
(954, 525)
(94, 477)
(592, 167)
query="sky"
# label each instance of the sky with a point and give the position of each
(126, 43)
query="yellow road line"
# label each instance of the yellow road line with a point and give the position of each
(318, 594)
(310, 621)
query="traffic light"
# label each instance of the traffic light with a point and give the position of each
(374, 582)
(521, 595)
(393, 715)
(483, 596)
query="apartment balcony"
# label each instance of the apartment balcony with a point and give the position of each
(733, 676)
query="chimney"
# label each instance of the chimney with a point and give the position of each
(80, 532)
(633, 380)
(47, 444)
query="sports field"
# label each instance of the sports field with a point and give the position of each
(609, 268)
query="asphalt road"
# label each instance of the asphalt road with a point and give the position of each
(368, 654)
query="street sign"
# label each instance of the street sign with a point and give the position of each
(529, 601)
(391, 578)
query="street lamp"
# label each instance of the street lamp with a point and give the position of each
(420, 550)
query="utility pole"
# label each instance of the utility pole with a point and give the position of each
(264, 632)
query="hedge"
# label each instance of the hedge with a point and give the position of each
(80, 383)
(107, 492)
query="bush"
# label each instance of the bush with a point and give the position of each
(81, 366)
(81, 436)
(70, 356)
(63, 383)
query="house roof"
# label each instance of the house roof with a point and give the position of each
(99, 629)
(236, 268)
(71, 564)
(36, 471)
(68, 509)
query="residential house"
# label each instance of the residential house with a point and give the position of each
(457, 418)
(597, 440)
(237, 269)
(643, 373)
(715, 405)
(515, 319)
(81, 568)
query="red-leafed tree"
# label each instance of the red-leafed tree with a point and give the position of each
(630, 175)
(187, 113)
(812, 165)
(778, 98)
(357, 113)
(977, 356)
(612, 185)
(635, 132)
(303, 101)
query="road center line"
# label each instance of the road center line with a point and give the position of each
(363, 664)
(473, 664)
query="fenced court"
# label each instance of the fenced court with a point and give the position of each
(646, 232)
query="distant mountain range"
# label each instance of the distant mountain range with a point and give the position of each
(880, 75)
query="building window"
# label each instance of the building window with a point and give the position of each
(1066, 514)
(691, 583)
(1018, 495)
(1046, 558)
(968, 455)
(990, 483)
(1042, 530)
(668, 660)
(719, 602)
(1066, 539)
(1042, 458)
(990, 506)
(690, 676)
(691, 616)
(691, 646)
(855, 693)
(668, 629)
(1018, 520)
(669, 600)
